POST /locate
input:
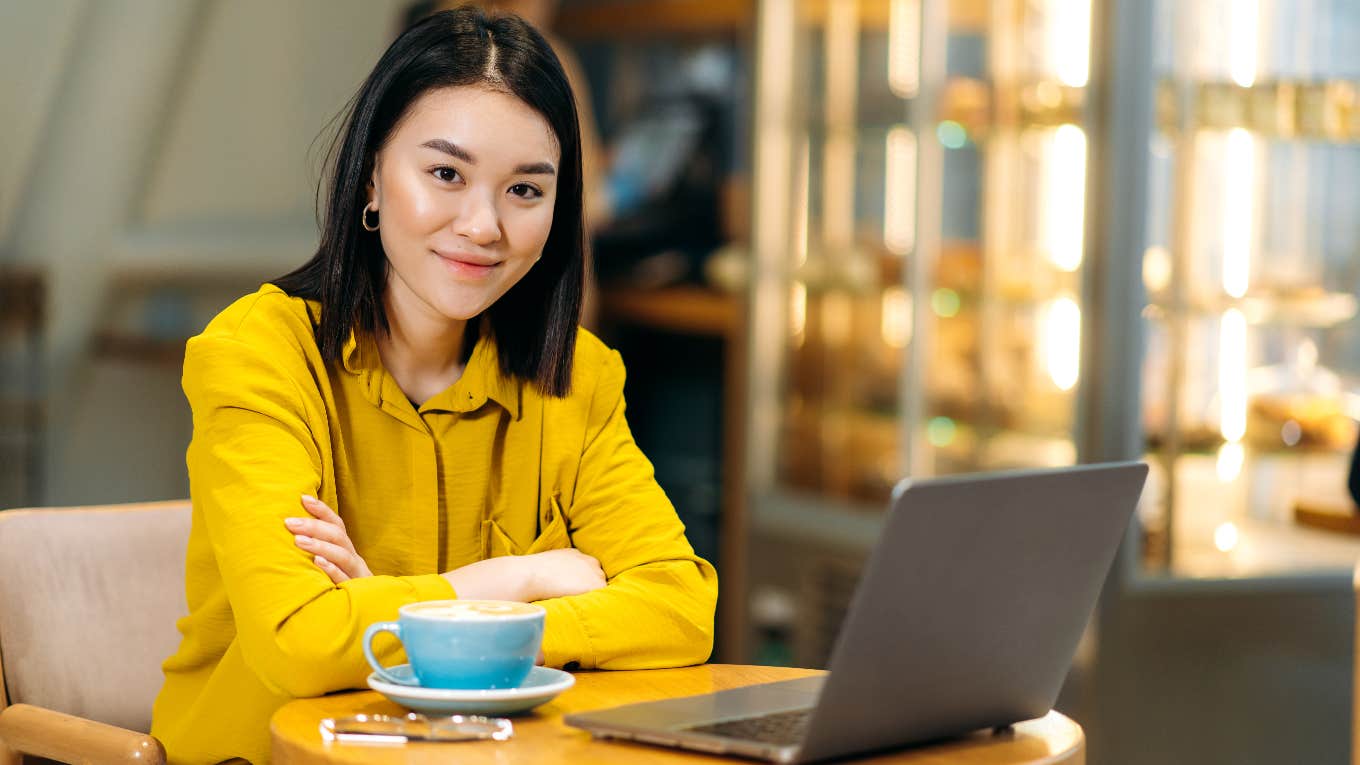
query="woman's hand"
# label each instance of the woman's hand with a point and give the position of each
(559, 573)
(526, 578)
(324, 536)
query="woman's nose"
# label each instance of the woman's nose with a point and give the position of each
(478, 221)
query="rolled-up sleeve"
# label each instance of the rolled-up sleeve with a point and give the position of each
(658, 606)
(252, 456)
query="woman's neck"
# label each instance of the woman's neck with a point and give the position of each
(422, 349)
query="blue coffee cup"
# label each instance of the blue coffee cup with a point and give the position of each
(464, 644)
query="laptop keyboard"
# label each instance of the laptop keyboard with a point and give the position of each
(777, 728)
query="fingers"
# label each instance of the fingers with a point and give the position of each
(318, 529)
(321, 511)
(335, 554)
(324, 536)
(333, 571)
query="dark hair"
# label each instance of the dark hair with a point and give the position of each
(534, 322)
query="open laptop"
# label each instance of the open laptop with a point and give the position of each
(966, 617)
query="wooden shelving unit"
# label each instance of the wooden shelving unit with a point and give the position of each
(685, 309)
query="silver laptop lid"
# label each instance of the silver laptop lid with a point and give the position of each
(969, 610)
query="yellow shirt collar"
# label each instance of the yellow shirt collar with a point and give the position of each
(482, 378)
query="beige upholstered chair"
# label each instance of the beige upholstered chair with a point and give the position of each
(89, 597)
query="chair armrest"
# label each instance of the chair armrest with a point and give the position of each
(44, 733)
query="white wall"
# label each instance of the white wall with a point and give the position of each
(35, 40)
(156, 141)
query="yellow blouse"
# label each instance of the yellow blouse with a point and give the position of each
(488, 467)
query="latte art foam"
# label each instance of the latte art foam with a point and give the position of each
(472, 609)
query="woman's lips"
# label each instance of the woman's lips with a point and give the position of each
(467, 268)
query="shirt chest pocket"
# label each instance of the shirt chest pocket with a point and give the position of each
(551, 527)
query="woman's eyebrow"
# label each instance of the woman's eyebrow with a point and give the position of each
(450, 148)
(458, 152)
(536, 168)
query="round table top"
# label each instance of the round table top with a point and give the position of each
(541, 736)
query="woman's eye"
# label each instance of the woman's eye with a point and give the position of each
(525, 191)
(446, 174)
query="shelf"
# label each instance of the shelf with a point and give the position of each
(1267, 548)
(1301, 308)
(613, 19)
(22, 297)
(1337, 518)
(684, 310)
(139, 349)
(1327, 111)
(1244, 525)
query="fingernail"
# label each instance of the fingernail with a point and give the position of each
(308, 498)
(292, 523)
(320, 561)
(304, 540)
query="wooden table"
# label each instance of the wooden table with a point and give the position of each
(541, 737)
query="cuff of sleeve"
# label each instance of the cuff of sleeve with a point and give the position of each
(564, 636)
(432, 587)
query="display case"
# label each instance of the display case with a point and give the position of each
(1251, 271)
(934, 256)
(924, 248)
(1145, 252)
(920, 216)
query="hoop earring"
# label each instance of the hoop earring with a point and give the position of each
(363, 218)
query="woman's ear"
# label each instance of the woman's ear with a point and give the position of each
(371, 189)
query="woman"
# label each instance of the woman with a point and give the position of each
(413, 415)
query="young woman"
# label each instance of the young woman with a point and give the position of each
(414, 415)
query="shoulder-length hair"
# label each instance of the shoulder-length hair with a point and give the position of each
(534, 323)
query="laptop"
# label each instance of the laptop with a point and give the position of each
(966, 617)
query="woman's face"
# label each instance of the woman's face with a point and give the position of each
(464, 189)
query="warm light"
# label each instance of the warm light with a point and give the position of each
(800, 207)
(1239, 156)
(1242, 39)
(1069, 38)
(1061, 341)
(1225, 536)
(1229, 464)
(904, 48)
(899, 197)
(838, 190)
(798, 312)
(896, 320)
(836, 318)
(842, 58)
(1307, 356)
(1156, 269)
(838, 163)
(1065, 196)
(1048, 94)
(1232, 375)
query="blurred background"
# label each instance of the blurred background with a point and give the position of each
(838, 242)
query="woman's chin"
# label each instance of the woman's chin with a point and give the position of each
(461, 311)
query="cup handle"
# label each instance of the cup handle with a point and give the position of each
(373, 630)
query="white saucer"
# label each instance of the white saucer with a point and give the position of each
(542, 684)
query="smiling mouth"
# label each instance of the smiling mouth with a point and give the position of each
(467, 268)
